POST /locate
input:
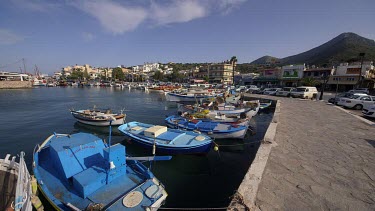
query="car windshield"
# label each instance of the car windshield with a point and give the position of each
(301, 89)
(354, 96)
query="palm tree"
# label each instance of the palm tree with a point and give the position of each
(233, 61)
(309, 82)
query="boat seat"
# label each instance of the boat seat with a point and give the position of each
(89, 180)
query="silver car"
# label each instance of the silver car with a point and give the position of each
(285, 91)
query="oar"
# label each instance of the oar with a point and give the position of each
(156, 158)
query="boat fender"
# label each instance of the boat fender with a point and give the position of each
(37, 203)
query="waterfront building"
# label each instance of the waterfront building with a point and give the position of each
(320, 75)
(350, 75)
(221, 73)
(291, 75)
(268, 78)
(245, 79)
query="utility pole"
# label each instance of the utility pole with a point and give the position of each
(362, 55)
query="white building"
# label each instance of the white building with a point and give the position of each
(292, 74)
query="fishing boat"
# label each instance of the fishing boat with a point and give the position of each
(205, 115)
(15, 184)
(265, 105)
(171, 141)
(215, 130)
(98, 117)
(82, 172)
(190, 96)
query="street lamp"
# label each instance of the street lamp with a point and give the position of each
(325, 78)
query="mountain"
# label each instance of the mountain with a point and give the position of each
(266, 60)
(343, 48)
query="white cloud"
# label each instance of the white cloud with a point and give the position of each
(226, 6)
(178, 12)
(117, 17)
(7, 37)
(87, 36)
(114, 17)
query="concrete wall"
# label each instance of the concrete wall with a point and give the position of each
(15, 84)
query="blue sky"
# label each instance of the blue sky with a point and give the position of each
(56, 33)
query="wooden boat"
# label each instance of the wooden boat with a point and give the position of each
(15, 184)
(212, 129)
(265, 105)
(166, 140)
(98, 117)
(191, 96)
(82, 172)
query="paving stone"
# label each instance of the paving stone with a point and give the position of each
(324, 160)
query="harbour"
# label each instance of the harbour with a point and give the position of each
(203, 178)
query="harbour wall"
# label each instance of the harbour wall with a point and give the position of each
(245, 196)
(15, 84)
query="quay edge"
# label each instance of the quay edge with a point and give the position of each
(246, 194)
(15, 84)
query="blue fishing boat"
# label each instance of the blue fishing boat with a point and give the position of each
(82, 172)
(215, 130)
(171, 141)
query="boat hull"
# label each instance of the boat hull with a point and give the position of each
(101, 123)
(240, 134)
(185, 98)
(98, 122)
(169, 150)
(148, 143)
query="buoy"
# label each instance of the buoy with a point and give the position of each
(216, 148)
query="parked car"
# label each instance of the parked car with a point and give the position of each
(337, 98)
(271, 91)
(369, 111)
(241, 89)
(305, 92)
(358, 101)
(252, 89)
(285, 91)
(341, 100)
(359, 90)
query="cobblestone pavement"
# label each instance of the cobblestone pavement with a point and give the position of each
(324, 160)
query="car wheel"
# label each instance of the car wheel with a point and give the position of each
(358, 107)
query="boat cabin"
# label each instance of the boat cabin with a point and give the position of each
(85, 162)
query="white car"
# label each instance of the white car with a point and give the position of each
(285, 91)
(305, 92)
(357, 101)
(271, 91)
(369, 111)
(359, 90)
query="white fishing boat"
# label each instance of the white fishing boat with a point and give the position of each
(190, 96)
(98, 117)
(15, 184)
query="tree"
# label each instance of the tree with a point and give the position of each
(158, 75)
(86, 74)
(118, 74)
(309, 82)
(233, 61)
